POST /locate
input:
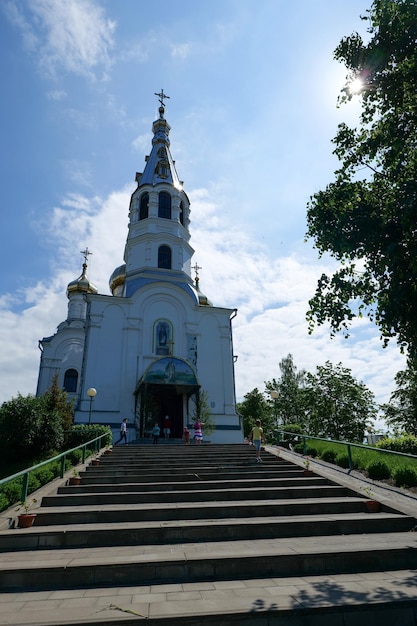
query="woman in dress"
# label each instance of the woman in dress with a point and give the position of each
(198, 431)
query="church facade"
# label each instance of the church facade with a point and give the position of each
(155, 345)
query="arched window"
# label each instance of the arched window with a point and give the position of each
(164, 257)
(70, 381)
(182, 213)
(164, 208)
(144, 206)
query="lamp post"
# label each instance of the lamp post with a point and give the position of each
(91, 393)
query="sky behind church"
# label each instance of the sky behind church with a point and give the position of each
(253, 90)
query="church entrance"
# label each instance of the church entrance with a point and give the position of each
(164, 390)
(166, 401)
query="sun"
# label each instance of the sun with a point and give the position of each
(356, 86)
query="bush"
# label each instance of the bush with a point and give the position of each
(405, 477)
(342, 460)
(407, 444)
(310, 451)
(44, 475)
(378, 470)
(4, 502)
(299, 447)
(81, 433)
(293, 428)
(328, 455)
(75, 457)
(12, 491)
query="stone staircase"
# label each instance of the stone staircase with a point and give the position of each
(204, 535)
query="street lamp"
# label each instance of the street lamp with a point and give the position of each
(91, 393)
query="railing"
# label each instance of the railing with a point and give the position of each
(26, 472)
(348, 445)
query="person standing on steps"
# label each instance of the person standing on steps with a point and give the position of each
(257, 436)
(167, 427)
(123, 432)
(186, 436)
(156, 432)
(198, 432)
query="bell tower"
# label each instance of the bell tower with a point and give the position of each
(157, 246)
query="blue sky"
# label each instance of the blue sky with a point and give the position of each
(253, 89)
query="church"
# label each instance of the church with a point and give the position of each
(155, 345)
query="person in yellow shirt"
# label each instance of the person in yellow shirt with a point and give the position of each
(257, 437)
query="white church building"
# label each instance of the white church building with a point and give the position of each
(155, 343)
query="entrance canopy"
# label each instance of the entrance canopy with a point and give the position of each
(172, 371)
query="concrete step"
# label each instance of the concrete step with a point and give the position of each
(182, 531)
(196, 495)
(206, 562)
(97, 475)
(105, 514)
(141, 487)
(371, 599)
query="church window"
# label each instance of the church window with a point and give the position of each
(144, 206)
(164, 257)
(70, 381)
(182, 213)
(164, 207)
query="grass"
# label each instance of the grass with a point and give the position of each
(361, 457)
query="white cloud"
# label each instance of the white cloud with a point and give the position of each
(65, 35)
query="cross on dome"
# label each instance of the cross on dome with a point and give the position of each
(85, 254)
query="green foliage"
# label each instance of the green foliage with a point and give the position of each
(299, 448)
(75, 457)
(289, 406)
(56, 402)
(311, 451)
(297, 429)
(44, 475)
(81, 433)
(12, 490)
(378, 470)
(407, 444)
(29, 428)
(342, 460)
(339, 407)
(328, 455)
(4, 502)
(366, 218)
(401, 411)
(202, 412)
(253, 407)
(405, 477)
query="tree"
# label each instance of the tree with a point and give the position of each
(340, 407)
(366, 218)
(56, 401)
(253, 407)
(401, 411)
(289, 405)
(202, 412)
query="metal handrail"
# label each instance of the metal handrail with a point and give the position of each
(348, 444)
(26, 472)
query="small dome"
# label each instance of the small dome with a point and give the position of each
(81, 284)
(202, 298)
(117, 280)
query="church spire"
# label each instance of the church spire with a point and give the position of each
(160, 167)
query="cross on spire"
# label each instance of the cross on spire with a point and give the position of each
(161, 97)
(86, 253)
(196, 267)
